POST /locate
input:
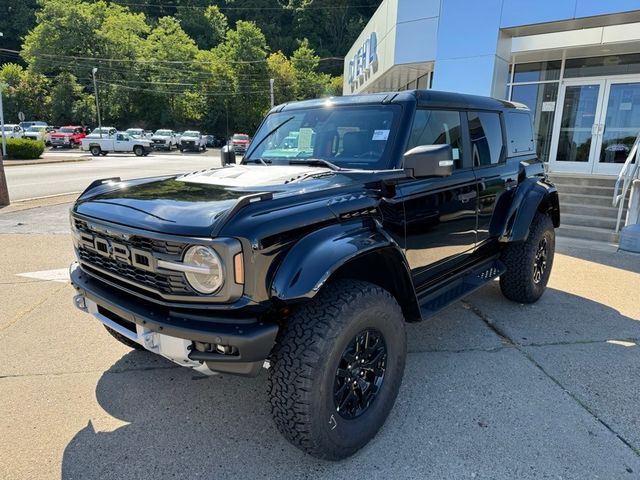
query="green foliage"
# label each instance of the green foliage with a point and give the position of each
(202, 64)
(26, 91)
(23, 149)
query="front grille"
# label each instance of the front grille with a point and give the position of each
(173, 283)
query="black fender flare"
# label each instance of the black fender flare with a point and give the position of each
(534, 194)
(314, 258)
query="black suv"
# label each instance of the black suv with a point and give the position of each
(309, 256)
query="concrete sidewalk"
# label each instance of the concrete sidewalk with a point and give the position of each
(492, 390)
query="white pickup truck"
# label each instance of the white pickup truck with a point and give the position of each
(116, 142)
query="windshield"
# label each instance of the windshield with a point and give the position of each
(241, 137)
(35, 129)
(134, 130)
(66, 130)
(349, 137)
(163, 132)
(9, 128)
(191, 134)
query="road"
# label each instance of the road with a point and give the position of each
(492, 389)
(32, 181)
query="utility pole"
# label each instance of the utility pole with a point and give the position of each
(4, 191)
(95, 90)
(272, 97)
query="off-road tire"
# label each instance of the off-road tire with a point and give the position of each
(517, 283)
(124, 340)
(138, 151)
(304, 365)
(95, 150)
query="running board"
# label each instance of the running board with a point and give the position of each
(459, 287)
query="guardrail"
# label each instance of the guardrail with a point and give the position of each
(630, 172)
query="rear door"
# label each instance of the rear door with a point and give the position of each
(440, 213)
(491, 147)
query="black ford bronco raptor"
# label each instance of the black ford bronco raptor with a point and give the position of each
(346, 218)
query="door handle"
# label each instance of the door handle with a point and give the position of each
(465, 197)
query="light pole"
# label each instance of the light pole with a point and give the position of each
(95, 90)
(271, 80)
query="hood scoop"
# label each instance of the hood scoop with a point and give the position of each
(253, 176)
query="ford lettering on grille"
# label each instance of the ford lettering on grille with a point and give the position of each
(120, 252)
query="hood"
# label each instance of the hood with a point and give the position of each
(191, 204)
(160, 137)
(60, 134)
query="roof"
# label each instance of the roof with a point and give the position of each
(432, 98)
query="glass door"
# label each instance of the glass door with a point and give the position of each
(620, 124)
(576, 126)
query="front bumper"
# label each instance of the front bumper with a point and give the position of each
(173, 334)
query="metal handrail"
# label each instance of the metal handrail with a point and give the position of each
(630, 171)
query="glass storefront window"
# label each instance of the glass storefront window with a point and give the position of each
(537, 71)
(601, 66)
(541, 99)
(622, 122)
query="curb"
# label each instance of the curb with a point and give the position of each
(42, 161)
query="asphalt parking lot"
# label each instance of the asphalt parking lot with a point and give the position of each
(492, 389)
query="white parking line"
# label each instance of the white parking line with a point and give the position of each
(60, 275)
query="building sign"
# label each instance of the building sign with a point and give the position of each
(365, 60)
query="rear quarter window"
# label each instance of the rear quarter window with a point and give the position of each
(519, 133)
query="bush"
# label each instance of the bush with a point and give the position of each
(24, 149)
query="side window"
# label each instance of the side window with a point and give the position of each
(438, 127)
(485, 131)
(519, 133)
(120, 137)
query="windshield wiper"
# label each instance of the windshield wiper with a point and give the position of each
(258, 160)
(268, 135)
(316, 162)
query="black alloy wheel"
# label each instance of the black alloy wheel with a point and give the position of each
(360, 374)
(540, 261)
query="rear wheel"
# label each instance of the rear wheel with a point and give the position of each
(124, 340)
(95, 150)
(336, 369)
(529, 263)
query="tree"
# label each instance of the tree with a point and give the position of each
(308, 83)
(207, 26)
(65, 93)
(284, 75)
(245, 50)
(17, 17)
(26, 91)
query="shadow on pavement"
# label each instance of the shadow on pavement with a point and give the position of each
(602, 253)
(459, 414)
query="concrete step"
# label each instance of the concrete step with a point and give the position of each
(588, 233)
(583, 199)
(587, 221)
(591, 210)
(592, 181)
(586, 190)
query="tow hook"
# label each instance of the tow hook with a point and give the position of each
(79, 302)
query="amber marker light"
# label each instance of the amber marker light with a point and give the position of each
(238, 265)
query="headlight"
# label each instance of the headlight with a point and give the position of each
(211, 278)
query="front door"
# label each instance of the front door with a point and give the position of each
(595, 125)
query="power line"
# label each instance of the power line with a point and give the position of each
(144, 61)
(224, 8)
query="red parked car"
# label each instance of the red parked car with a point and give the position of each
(69, 136)
(240, 142)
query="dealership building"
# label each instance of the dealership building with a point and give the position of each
(575, 63)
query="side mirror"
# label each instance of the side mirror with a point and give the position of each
(228, 156)
(429, 161)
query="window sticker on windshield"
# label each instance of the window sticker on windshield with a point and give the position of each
(304, 139)
(380, 135)
(455, 153)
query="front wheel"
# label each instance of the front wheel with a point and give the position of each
(337, 368)
(529, 263)
(138, 150)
